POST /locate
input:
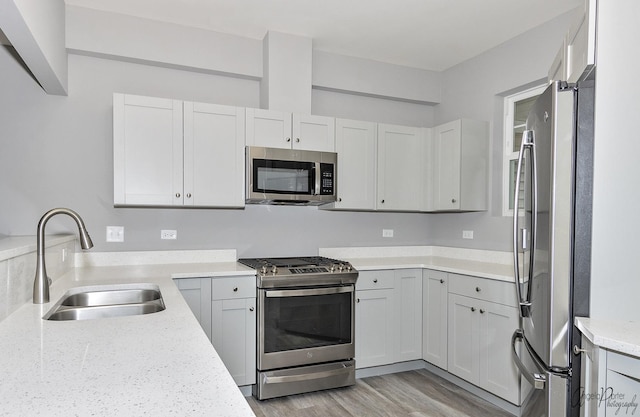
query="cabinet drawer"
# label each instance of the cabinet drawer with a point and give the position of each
(623, 364)
(233, 287)
(375, 280)
(483, 289)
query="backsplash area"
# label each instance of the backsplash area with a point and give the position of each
(18, 265)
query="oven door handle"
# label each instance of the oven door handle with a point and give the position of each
(307, 292)
(307, 377)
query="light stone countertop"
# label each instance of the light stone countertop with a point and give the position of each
(478, 263)
(617, 335)
(159, 364)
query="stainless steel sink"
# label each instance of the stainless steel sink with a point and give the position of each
(110, 297)
(113, 301)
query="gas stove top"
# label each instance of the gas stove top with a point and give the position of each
(301, 271)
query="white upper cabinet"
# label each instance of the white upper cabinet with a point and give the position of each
(213, 155)
(401, 151)
(356, 147)
(580, 43)
(460, 158)
(147, 151)
(274, 129)
(174, 153)
(558, 70)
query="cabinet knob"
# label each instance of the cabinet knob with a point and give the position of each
(375, 281)
(473, 309)
(577, 351)
(288, 139)
(235, 289)
(188, 195)
(441, 281)
(177, 195)
(382, 201)
(339, 199)
(478, 289)
(481, 311)
(297, 140)
(453, 200)
(357, 300)
(250, 308)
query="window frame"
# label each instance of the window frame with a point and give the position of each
(508, 154)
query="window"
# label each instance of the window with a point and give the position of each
(516, 108)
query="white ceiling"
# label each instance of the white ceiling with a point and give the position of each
(428, 34)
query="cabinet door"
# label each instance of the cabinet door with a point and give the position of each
(408, 289)
(498, 373)
(147, 151)
(313, 133)
(374, 328)
(581, 43)
(400, 168)
(447, 166)
(462, 357)
(434, 317)
(213, 155)
(268, 128)
(356, 148)
(234, 337)
(558, 69)
(197, 293)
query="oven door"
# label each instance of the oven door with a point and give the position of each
(304, 326)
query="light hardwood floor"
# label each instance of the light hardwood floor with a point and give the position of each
(412, 394)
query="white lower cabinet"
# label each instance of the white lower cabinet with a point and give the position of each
(610, 382)
(481, 320)
(388, 317)
(226, 310)
(434, 317)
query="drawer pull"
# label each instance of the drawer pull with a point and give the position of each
(478, 289)
(357, 300)
(481, 311)
(235, 289)
(250, 308)
(473, 309)
(441, 281)
(375, 281)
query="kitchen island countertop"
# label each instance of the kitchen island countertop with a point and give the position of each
(617, 335)
(157, 364)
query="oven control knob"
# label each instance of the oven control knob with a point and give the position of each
(349, 267)
(332, 268)
(274, 269)
(340, 267)
(263, 270)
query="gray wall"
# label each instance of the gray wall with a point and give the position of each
(57, 151)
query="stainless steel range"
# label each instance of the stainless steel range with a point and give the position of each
(305, 330)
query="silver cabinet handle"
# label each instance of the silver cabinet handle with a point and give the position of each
(177, 195)
(375, 280)
(297, 140)
(251, 309)
(188, 195)
(339, 199)
(382, 201)
(357, 300)
(473, 309)
(288, 139)
(235, 289)
(478, 289)
(453, 200)
(441, 281)
(481, 311)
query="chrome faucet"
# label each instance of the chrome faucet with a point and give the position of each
(42, 281)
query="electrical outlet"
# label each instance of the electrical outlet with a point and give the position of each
(115, 233)
(387, 232)
(467, 234)
(168, 234)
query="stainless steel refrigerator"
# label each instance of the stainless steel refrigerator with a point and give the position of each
(552, 245)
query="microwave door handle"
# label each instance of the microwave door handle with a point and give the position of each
(317, 174)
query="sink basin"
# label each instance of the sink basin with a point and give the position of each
(110, 297)
(110, 301)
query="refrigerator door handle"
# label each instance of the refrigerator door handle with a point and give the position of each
(526, 144)
(536, 379)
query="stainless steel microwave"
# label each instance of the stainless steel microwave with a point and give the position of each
(290, 176)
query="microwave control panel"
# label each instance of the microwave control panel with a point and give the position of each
(326, 179)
